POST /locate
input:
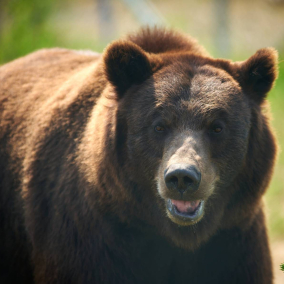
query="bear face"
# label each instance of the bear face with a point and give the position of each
(187, 124)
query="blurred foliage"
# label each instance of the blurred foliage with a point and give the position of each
(23, 27)
(28, 25)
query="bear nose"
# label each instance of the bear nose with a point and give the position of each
(182, 177)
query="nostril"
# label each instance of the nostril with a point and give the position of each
(187, 180)
(173, 180)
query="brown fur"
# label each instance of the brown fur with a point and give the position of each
(83, 196)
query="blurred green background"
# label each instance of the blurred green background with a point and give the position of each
(232, 29)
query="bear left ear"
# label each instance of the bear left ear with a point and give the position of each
(126, 64)
(257, 74)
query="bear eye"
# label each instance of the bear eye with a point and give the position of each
(217, 128)
(159, 128)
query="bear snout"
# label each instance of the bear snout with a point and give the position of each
(184, 178)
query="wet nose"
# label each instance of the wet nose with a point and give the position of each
(182, 177)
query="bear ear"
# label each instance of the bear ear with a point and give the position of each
(126, 64)
(257, 74)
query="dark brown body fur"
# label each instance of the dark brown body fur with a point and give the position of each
(78, 176)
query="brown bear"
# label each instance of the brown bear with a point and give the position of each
(146, 164)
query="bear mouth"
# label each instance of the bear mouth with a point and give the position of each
(185, 212)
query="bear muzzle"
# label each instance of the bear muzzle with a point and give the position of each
(183, 180)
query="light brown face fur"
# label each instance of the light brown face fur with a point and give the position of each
(188, 149)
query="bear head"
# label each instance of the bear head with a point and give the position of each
(191, 133)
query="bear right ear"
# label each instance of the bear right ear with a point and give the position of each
(257, 74)
(126, 64)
